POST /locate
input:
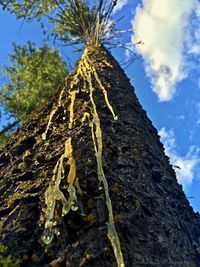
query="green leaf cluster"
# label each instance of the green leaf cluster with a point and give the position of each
(30, 9)
(33, 76)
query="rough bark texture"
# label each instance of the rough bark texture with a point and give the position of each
(153, 218)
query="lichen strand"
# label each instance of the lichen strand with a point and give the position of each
(44, 135)
(98, 145)
(54, 193)
(71, 108)
(62, 92)
(102, 88)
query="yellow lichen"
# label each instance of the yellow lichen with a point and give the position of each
(86, 115)
(87, 73)
(98, 145)
(68, 148)
(44, 135)
(62, 91)
(103, 89)
(71, 108)
(13, 198)
(27, 153)
(72, 171)
(22, 166)
(54, 193)
(112, 234)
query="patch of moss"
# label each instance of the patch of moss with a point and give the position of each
(21, 139)
(4, 138)
(22, 166)
(6, 261)
(13, 198)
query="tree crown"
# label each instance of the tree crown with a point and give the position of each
(75, 21)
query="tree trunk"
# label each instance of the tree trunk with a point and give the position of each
(153, 220)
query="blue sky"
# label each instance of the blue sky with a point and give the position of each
(166, 75)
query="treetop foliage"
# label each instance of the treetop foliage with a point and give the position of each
(75, 21)
(32, 79)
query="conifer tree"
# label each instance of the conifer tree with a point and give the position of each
(31, 79)
(94, 166)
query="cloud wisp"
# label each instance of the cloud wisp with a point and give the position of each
(185, 165)
(170, 33)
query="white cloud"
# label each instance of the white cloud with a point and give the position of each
(168, 139)
(120, 4)
(195, 49)
(185, 174)
(185, 165)
(170, 31)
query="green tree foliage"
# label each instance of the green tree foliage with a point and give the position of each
(75, 21)
(32, 77)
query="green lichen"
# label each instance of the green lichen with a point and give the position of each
(20, 140)
(22, 166)
(13, 198)
(5, 260)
